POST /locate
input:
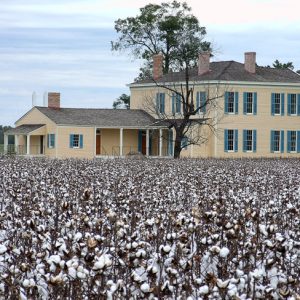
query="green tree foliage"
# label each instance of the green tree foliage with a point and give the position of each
(278, 65)
(122, 102)
(167, 28)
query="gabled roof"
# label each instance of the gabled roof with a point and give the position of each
(232, 71)
(113, 118)
(24, 129)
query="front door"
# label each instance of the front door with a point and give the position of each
(41, 144)
(98, 144)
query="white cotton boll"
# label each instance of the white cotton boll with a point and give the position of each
(99, 264)
(81, 275)
(78, 236)
(204, 290)
(31, 282)
(3, 249)
(224, 252)
(145, 288)
(2, 287)
(167, 249)
(54, 259)
(72, 272)
(26, 283)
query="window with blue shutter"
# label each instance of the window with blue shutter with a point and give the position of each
(277, 104)
(277, 141)
(254, 140)
(298, 105)
(292, 141)
(255, 103)
(160, 103)
(231, 102)
(245, 102)
(51, 140)
(176, 104)
(245, 140)
(249, 140)
(292, 104)
(76, 141)
(230, 140)
(298, 141)
(184, 142)
(250, 103)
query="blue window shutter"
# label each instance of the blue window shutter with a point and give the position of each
(236, 102)
(225, 140)
(298, 141)
(198, 101)
(226, 102)
(178, 99)
(289, 104)
(236, 142)
(52, 139)
(81, 141)
(71, 140)
(244, 140)
(289, 138)
(298, 105)
(163, 103)
(282, 141)
(48, 143)
(255, 103)
(272, 141)
(203, 101)
(157, 102)
(273, 104)
(254, 140)
(282, 104)
(140, 136)
(245, 102)
(173, 103)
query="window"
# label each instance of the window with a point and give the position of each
(201, 102)
(231, 102)
(249, 140)
(277, 104)
(184, 142)
(293, 104)
(293, 141)
(250, 103)
(176, 104)
(277, 141)
(76, 141)
(160, 103)
(231, 140)
(51, 140)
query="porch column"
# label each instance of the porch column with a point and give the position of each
(17, 144)
(5, 143)
(121, 141)
(160, 142)
(147, 142)
(28, 144)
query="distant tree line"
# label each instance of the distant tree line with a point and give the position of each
(11, 139)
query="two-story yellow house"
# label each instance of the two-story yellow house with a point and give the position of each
(255, 113)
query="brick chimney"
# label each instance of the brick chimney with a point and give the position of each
(158, 66)
(250, 62)
(54, 100)
(203, 63)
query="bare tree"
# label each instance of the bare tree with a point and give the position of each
(191, 111)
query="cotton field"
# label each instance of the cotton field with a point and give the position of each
(149, 229)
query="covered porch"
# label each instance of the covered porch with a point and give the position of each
(122, 142)
(30, 139)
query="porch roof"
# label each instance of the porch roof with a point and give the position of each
(114, 118)
(23, 129)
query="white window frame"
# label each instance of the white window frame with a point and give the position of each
(233, 140)
(279, 141)
(294, 151)
(50, 145)
(277, 97)
(250, 95)
(249, 140)
(294, 97)
(78, 141)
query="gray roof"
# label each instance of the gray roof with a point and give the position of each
(24, 129)
(114, 118)
(232, 71)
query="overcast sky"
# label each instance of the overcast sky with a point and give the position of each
(64, 46)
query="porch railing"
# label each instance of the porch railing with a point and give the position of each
(22, 150)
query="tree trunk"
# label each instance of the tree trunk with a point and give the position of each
(177, 148)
